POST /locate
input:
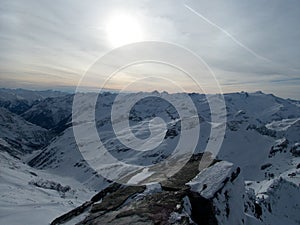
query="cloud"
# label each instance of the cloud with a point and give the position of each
(54, 42)
(227, 34)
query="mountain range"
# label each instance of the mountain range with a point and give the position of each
(254, 178)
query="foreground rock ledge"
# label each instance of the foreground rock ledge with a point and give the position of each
(212, 196)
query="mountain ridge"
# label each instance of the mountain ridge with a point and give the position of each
(260, 127)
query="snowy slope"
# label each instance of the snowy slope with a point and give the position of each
(22, 202)
(17, 136)
(62, 157)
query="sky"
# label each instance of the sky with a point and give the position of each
(248, 45)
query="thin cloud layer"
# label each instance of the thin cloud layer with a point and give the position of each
(249, 45)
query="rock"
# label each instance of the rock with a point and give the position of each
(117, 198)
(295, 150)
(165, 203)
(265, 166)
(216, 195)
(279, 146)
(47, 184)
(276, 201)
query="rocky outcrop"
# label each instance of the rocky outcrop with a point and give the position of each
(213, 196)
(48, 184)
(216, 195)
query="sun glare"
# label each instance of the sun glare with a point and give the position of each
(122, 29)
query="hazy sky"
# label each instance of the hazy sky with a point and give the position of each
(249, 45)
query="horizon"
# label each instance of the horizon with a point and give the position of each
(93, 90)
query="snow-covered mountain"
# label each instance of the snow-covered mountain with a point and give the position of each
(20, 100)
(262, 139)
(63, 158)
(18, 136)
(247, 135)
(51, 113)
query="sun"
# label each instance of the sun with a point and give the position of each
(122, 29)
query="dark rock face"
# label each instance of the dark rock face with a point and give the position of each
(265, 166)
(262, 130)
(46, 184)
(202, 209)
(279, 147)
(295, 150)
(258, 210)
